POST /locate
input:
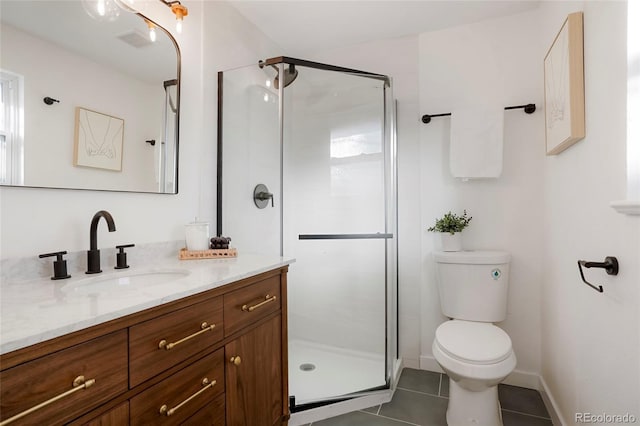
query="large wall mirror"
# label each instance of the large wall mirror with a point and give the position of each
(87, 102)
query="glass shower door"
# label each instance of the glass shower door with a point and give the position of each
(335, 219)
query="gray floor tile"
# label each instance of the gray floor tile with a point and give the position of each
(418, 408)
(510, 418)
(444, 386)
(358, 418)
(522, 400)
(419, 380)
(373, 409)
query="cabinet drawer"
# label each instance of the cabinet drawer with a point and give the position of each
(210, 415)
(181, 395)
(115, 416)
(30, 384)
(163, 342)
(244, 306)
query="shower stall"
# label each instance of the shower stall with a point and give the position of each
(307, 169)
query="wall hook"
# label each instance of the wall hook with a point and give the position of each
(50, 101)
(610, 265)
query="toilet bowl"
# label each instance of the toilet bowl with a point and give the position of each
(476, 356)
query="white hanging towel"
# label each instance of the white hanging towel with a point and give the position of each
(476, 142)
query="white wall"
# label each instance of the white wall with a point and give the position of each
(590, 341)
(495, 62)
(34, 221)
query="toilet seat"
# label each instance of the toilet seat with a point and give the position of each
(473, 342)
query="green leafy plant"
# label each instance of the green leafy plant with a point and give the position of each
(451, 223)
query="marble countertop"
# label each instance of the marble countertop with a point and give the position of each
(41, 309)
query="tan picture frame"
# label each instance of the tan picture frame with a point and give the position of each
(564, 87)
(98, 140)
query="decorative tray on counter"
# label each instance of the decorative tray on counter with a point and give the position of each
(185, 254)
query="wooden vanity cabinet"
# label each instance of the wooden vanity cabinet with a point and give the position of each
(234, 373)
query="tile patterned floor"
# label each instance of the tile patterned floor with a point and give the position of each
(421, 400)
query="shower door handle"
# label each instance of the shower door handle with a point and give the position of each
(375, 236)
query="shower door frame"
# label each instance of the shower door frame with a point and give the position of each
(390, 188)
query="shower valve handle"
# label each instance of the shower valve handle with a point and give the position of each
(261, 196)
(265, 196)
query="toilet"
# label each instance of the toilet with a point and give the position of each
(475, 354)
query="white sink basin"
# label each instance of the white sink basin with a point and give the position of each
(123, 281)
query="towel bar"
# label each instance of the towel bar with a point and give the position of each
(528, 108)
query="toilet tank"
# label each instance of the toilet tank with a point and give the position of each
(473, 284)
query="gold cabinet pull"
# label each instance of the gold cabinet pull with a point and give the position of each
(79, 383)
(266, 300)
(170, 411)
(204, 326)
(235, 360)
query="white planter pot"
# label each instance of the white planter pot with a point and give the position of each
(451, 242)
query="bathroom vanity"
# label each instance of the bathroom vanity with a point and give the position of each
(208, 347)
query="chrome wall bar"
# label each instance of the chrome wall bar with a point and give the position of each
(345, 236)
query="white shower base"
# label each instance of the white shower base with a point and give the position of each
(337, 371)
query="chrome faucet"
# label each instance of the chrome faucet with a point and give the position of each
(93, 255)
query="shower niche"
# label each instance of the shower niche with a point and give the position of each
(324, 144)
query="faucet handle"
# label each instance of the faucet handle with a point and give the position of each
(59, 265)
(121, 256)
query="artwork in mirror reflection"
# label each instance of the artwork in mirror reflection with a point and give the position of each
(109, 69)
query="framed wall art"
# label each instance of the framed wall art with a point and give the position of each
(564, 87)
(98, 140)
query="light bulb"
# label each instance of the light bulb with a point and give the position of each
(180, 11)
(266, 97)
(268, 83)
(102, 10)
(152, 34)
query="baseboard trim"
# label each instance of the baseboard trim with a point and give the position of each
(397, 370)
(519, 378)
(550, 403)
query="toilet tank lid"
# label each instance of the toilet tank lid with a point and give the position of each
(473, 257)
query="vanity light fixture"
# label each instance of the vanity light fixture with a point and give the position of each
(102, 10)
(179, 10)
(152, 30)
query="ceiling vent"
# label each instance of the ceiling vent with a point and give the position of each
(136, 39)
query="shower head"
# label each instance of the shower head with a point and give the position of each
(290, 74)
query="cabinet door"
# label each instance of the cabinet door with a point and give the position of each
(254, 380)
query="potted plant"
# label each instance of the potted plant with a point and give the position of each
(450, 227)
